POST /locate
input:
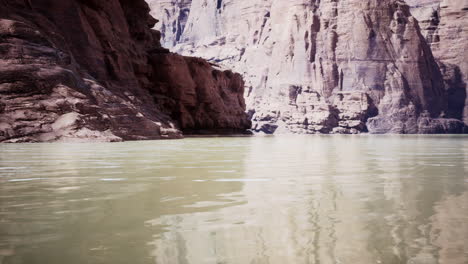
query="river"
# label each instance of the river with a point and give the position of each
(235, 200)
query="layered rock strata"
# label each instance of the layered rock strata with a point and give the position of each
(95, 70)
(346, 66)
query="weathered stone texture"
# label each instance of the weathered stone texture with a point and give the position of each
(95, 70)
(345, 66)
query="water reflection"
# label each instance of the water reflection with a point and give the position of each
(304, 199)
(89, 204)
(332, 200)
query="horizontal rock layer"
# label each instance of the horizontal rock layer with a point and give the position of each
(95, 70)
(332, 66)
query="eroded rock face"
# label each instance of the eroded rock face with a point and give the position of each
(203, 100)
(444, 24)
(346, 66)
(173, 15)
(95, 70)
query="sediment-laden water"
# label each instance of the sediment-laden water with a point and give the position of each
(298, 199)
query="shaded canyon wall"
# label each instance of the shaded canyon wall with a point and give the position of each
(95, 70)
(444, 24)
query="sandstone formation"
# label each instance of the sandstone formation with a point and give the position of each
(346, 66)
(444, 24)
(95, 70)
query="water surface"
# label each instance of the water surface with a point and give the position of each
(278, 200)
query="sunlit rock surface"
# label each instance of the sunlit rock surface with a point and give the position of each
(95, 70)
(346, 66)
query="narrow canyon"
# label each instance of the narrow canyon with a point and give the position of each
(89, 70)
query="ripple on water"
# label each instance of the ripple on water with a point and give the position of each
(242, 180)
(113, 179)
(25, 179)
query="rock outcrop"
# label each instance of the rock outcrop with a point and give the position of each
(444, 24)
(346, 66)
(95, 70)
(173, 15)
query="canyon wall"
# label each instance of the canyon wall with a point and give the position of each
(95, 70)
(346, 66)
(444, 24)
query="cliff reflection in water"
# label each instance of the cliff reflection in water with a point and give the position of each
(391, 199)
(299, 199)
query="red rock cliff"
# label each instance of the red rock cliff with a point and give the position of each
(95, 70)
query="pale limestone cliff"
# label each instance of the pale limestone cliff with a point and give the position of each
(173, 15)
(345, 66)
